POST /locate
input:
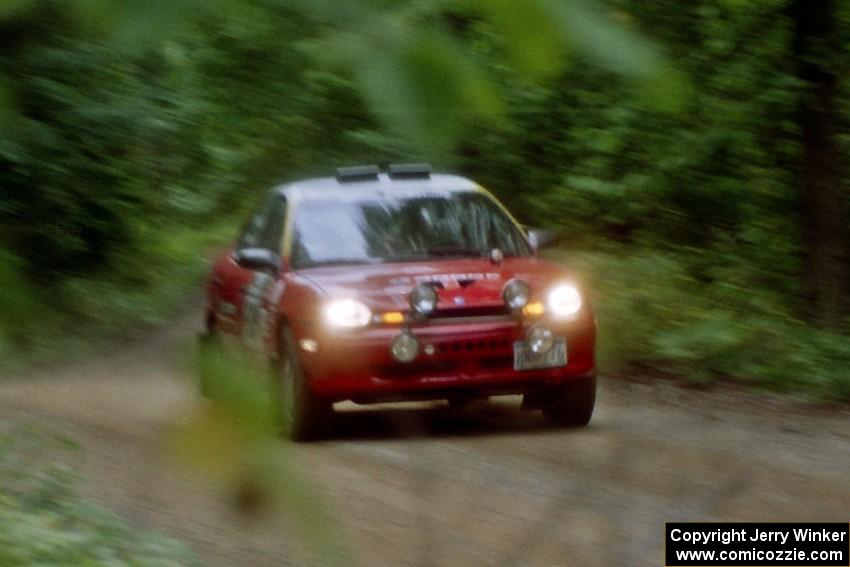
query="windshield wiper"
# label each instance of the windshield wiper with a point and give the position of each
(340, 262)
(437, 252)
(459, 252)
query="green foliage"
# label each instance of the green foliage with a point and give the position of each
(236, 438)
(117, 178)
(44, 522)
(657, 317)
(430, 92)
(131, 135)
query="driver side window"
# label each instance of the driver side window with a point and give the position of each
(271, 237)
(264, 228)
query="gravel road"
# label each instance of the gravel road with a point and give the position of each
(422, 485)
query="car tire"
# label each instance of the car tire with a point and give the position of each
(303, 415)
(571, 404)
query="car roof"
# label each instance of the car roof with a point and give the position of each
(331, 187)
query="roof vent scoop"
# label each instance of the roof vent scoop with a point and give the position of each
(410, 171)
(357, 173)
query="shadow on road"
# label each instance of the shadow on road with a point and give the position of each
(496, 417)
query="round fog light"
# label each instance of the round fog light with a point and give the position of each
(405, 347)
(540, 339)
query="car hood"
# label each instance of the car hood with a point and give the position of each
(463, 283)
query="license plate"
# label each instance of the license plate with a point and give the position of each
(526, 359)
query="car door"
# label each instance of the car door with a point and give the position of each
(262, 291)
(229, 279)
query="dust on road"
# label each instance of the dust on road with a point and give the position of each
(420, 485)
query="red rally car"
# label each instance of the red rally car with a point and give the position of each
(404, 285)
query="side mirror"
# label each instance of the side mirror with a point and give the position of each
(540, 238)
(258, 259)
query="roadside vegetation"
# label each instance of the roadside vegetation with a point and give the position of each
(44, 520)
(690, 155)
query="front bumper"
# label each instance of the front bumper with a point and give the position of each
(470, 358)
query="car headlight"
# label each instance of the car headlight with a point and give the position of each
(516, 294)
(564, 300)
(347, 314)
(423, 299)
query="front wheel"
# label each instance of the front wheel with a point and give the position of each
(303, 414)
(571, 404)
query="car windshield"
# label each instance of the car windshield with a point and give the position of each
(401, 228)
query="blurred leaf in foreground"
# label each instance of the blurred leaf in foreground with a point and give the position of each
(10, 8)
(613, 45)
(233, 438)
(534, 45)
(137, 25)
(428, 84)
(428, 90)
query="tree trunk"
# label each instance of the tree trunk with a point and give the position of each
(826, 237)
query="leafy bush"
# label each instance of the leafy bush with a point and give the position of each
(657, 316)
(43, 521)
(130, 134)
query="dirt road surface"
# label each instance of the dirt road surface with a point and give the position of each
(486, 486)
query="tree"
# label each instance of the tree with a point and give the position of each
(827, 250)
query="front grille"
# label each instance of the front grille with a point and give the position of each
(480, 311)
(461, 346)
(452, 356)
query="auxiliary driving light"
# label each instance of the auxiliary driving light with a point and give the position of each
(540, 339)
(405, 347)
(423, 299)
(516, 294)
